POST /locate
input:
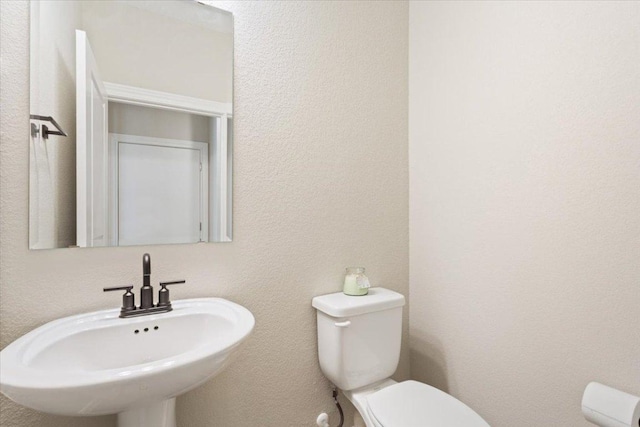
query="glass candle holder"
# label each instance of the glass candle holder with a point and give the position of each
(356, 282)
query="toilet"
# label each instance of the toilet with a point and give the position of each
(359, 349)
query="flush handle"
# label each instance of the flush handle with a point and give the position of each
(344, 324)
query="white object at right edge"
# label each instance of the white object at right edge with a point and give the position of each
(607, 407)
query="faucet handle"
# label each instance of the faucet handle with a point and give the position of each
(175, 282)
(163, 293)
(118, 288)
(128, 299)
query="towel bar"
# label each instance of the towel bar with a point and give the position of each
(45, 129)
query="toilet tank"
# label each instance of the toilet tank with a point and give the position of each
(359, 337)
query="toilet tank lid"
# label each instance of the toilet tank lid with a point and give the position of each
(341, 305)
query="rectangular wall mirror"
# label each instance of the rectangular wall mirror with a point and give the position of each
(131, 126)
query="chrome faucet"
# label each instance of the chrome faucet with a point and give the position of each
(147, 306)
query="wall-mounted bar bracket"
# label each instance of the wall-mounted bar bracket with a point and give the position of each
(45, 129)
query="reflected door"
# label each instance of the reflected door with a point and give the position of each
(161, 191)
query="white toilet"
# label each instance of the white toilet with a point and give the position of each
(359, 349)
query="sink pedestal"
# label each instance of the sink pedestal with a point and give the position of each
(161, 414)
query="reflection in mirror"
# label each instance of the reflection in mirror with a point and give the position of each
(131, 134)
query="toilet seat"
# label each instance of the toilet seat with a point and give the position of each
(414, 404)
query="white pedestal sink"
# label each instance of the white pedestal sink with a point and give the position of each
(98, 363)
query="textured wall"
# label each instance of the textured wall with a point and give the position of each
(525, 203)
(320, 183)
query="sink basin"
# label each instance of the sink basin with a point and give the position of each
(98, 363)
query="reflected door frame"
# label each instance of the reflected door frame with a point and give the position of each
(220, 216)
(91, 148)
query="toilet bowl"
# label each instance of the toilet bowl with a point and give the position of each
(359, 341)
(411, 404)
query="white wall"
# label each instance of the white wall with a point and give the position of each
(154, 122)
(524, 135)
(151, 49)
(320, 183)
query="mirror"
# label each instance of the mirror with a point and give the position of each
(131, 126)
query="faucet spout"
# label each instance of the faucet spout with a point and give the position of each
(146, 270)
(146, 292)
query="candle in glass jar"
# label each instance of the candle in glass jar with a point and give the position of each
(355, 282)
